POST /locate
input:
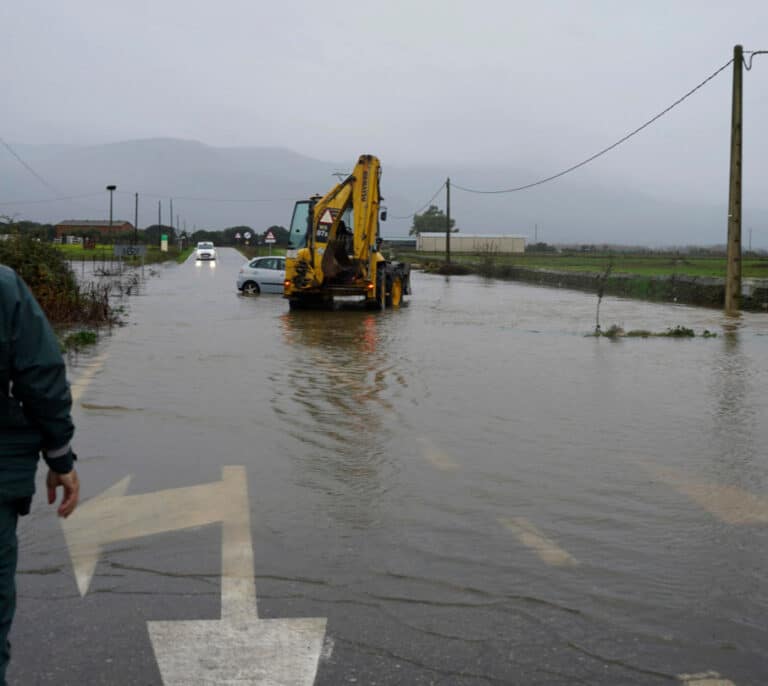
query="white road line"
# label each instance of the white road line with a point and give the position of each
(78, 387)
(731, 504)
(436, 457)
(545, 548)
(704, 679)
(238, 591)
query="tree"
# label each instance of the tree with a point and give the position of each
(540, 247)
(203, 235)
(433, 220)
(152, 233)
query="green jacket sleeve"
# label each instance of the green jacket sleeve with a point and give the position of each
(38, 377)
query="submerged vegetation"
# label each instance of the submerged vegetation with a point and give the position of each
(615, 331)
(76, 340)
(48, 275)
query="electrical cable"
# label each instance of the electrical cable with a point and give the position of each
(424, 206)
(752, 54)
(604, 150)
(28, 167)
(192, 198)
(47, 200)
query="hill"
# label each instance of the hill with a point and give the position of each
(214, 187)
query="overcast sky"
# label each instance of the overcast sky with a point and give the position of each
(540, 85)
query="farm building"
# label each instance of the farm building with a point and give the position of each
(72, 227)
(473, 243)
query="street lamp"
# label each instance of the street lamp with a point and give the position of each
(111, 190)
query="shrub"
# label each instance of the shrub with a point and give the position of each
(46, 272)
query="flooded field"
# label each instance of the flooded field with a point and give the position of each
(470, 489)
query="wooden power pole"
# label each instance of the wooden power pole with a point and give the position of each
(733, 275)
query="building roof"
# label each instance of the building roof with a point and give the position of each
(473, 235)
(91, 222)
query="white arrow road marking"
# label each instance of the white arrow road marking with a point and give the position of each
(704, 679)
(78, 387)
(532, 538)
(730, 504)
(239, 648)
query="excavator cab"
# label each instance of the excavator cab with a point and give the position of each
(298, 231)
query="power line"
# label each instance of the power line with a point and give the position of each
(752, 53)
(424, 206)
(604, 150)
(28, 167)
(193, 198)
(47, 200)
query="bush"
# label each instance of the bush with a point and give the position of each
(46, 272)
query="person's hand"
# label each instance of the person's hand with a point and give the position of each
(71, 485)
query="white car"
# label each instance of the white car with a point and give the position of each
(262, 275)
(205, 251)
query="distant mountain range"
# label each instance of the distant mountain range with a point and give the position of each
(216, 187)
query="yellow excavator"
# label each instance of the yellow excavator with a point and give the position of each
(335, 247)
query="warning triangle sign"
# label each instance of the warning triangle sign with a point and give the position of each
(327, 217)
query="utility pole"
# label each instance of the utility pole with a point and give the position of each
(448, 220)
(733, 275)
(535, 233)
(136, 221)
(111, 188)
(159, 219)
(170, 219)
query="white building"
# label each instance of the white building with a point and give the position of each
(472, 243)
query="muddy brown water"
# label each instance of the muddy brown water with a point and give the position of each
(470, 489)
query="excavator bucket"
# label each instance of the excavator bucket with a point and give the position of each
(336, 262)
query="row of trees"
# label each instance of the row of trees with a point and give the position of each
(150, 235)
(229, 236)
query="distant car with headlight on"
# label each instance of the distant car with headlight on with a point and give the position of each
(205, 251)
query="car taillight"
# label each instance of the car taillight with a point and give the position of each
(286, 283)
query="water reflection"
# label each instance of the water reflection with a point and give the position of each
(734, 419)
(333, 397)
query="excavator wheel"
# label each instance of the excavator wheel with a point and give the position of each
(395, 295)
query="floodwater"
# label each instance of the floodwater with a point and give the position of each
(471, 489)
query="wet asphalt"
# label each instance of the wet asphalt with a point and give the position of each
(469, 489)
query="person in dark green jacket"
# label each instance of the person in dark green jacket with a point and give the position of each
(35, 405)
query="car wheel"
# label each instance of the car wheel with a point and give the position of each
(251, 288)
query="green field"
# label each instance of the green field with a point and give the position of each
(623, 263)
(104, 253)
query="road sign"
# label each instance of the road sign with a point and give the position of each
(238, 236)
(239, 647)
(270, 237)
(247, 235)
(129, 250)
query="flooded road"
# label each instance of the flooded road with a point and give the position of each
(470, 490)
